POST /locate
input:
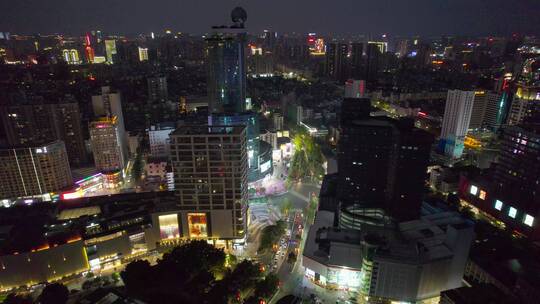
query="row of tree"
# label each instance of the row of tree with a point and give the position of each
(52, 294)
(270, 235)
(308, 159)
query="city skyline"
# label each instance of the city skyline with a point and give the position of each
(427, 18)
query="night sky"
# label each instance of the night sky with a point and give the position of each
(398, 17)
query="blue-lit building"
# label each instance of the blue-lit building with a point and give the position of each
(226, 85)
(226, 72)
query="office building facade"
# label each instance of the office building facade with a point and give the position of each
(374, 156)
(34, 171)
(210, 166)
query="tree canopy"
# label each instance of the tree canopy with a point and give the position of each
(308, 159)
(194, 272)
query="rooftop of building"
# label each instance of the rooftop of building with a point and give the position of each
(208, 130)
(480, 294)
(53, 145)
(504, 257)
(103, 120)
(415, 242)
(24, 228)
(163, 126)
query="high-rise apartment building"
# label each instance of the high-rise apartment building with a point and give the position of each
(109, 151)
(493, 101)
(373, 61)
(457, 115)
(336, 60)
(478, 111)
(143, 54)
(109, 104)
(157, 89)
(39, 123)
(34, 171)
(210, 173)
(519, 109)
(357, 54)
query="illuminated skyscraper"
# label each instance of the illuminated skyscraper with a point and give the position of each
(227, 85)
(457, 116)
(108, 148)
(110, 50)
(109, 104)
(71, 56)
(226, 70)
(143, 54)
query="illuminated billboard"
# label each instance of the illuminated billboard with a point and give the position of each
(168, 226)
(318, 47)
(197, 225)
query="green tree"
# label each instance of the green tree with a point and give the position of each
(271, 235)
(136, 170)
(291, 258)
(286, 206)
(14, 298)
(308, 159)
(266, 288)
(54, 294)
(135, 276)
(312, 207)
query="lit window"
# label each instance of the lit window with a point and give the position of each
(474, 190)
(498, 205)
(482, 195)
(528, 220)
(512, 212)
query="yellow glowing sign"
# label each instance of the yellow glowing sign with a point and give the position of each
(472, 143)
(197, 225)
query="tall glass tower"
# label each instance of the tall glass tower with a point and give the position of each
(226, 64)
(226, 71)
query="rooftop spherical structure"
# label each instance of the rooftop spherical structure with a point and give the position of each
(238, 15)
